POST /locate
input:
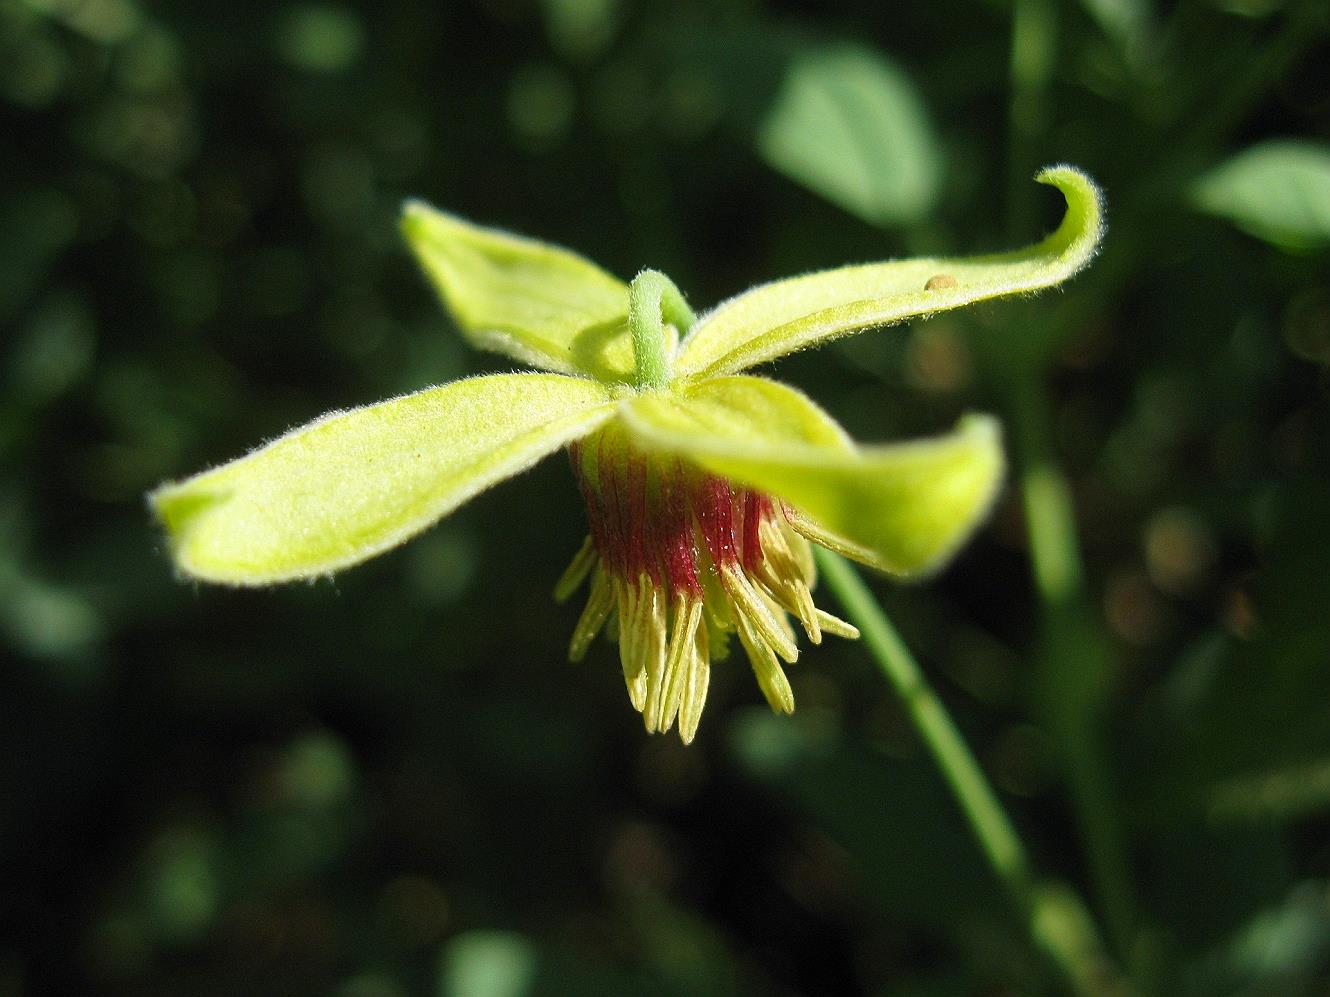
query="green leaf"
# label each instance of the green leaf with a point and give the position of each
(1278, 191)
(779, 318)
(850, 125)
(540, 304)
(1127, 22)
(354, 484)
(902, 508)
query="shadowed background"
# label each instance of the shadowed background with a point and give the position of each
(394, 783)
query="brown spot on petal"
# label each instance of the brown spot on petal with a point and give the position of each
(940, 281)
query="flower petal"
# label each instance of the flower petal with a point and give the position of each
(779, 318)
(352, 484)
(902, 508)
(541, 304)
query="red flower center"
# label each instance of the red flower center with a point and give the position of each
(681, 559)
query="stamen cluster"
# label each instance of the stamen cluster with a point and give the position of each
(679, 560)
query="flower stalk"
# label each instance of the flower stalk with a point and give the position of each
(1054, 916)
(653, 302)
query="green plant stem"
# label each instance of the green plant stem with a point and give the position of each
(1033, 54)
(1074, 666)
(996, 836)
(1055, 917)
(653, 300)
(1050, 517)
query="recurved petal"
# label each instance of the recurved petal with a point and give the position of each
(355, 483)
(789, 315)
(903, 508)
(536, 302)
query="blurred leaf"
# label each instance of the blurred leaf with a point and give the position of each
(180, 883)
(1281, 949)
(320, 38)
(487, 964)
(1125, 21)
(850, 125)
(541, 102)
(55, 349)
(684, 950)
(50, 621)
(580, 29)
(317, 772)
(1278, 191)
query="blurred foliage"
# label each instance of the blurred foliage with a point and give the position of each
(394, 784)
(852, 127)
(1278, 191)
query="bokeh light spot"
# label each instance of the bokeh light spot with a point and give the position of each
(320, 38)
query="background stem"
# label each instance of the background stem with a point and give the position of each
(1074, 669)
(1074, 665)
(1033, 55)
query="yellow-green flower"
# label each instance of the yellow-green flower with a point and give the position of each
(703, 484)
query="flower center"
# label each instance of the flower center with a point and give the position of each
(680, 560)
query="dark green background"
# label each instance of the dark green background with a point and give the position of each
(394, 783)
